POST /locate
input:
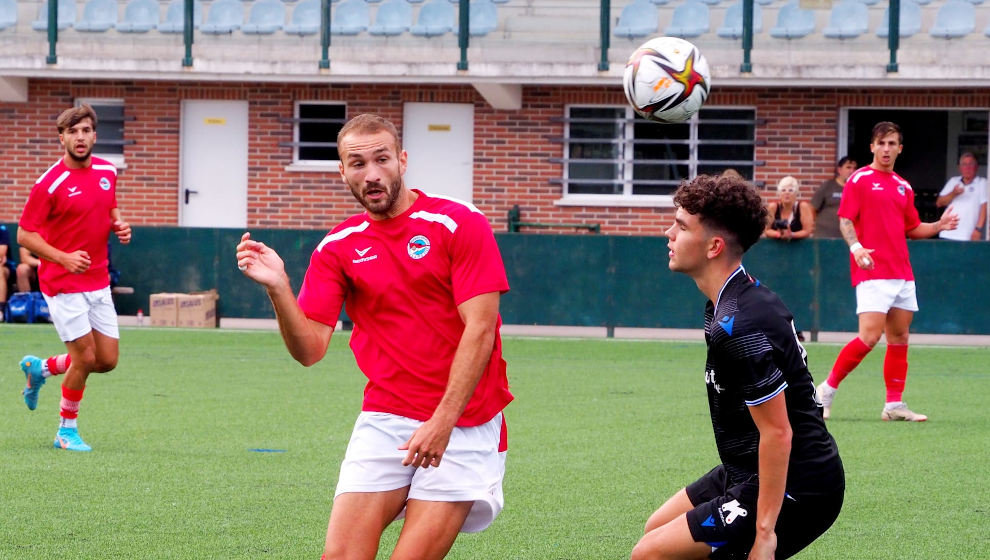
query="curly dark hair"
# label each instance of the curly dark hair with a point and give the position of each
(727, 205)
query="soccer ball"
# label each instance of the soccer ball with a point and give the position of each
(667, 80)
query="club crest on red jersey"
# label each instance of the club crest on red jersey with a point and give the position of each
(418, 247)
(104, 183)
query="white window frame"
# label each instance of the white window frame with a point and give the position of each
(627, 198)
(310, 164)
(118, 160)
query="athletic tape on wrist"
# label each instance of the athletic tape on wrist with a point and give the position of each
(854, 246)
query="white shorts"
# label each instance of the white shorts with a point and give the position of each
(75, 315)
(880, 295)
(472, 467)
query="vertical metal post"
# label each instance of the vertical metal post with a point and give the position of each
(324, 33)
(894, 34)
(188, 23)
(463, 27)
(747, 36)
(605, 24)
(52, 31)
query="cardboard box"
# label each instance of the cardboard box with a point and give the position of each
(198, 309)
(164, 309)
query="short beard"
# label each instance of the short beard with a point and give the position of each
(82, 158)
(384, 207)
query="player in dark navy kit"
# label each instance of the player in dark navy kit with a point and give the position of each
(781, 483)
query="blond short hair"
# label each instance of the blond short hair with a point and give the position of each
(788, 181)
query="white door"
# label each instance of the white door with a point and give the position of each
(440, 140)
(213, 168)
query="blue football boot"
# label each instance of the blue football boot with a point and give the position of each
(31, 366)
(68, 438)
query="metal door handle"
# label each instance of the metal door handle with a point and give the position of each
(189, 192)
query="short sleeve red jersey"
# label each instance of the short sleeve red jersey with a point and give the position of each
(70, 209)
(401, 280)
(881, 206)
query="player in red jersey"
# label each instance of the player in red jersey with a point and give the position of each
(876, 212)
(67, 221)
(421, 277)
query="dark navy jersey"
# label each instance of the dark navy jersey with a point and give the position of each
(753, 356)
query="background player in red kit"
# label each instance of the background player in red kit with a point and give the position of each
(421, 277)
(876, 212)
(67, 220)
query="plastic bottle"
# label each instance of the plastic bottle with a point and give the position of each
(140, 318)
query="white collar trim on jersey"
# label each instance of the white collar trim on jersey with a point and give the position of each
(727, 280)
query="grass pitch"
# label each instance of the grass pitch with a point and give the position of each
(601, 432)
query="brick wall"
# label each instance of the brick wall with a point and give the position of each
(512, 148)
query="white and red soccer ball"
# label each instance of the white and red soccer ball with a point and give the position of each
(667, 80)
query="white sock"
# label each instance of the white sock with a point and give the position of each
(893, 404)
(68, 423)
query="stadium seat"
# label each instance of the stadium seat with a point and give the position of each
(483, 18)
(140, 16)
(638, 19)
(954, 19)
(305, 18)
(267, 17)
(8, 13)
(793, 22)
(659, 2)
(175, 17)
(394, 17)
(711, 2)
(98, 15)
(869, 2)
(225, 16)
(66, 15)
(690, 19)
(847, 20)
(732, 27)
(435, 18)
(350, 18)
(910, 20)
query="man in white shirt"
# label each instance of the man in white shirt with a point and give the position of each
(967, 194)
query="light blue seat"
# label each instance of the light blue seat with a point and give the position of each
(638, 19)
(98, 15)
(732, 27)
(869, 2)
(350, 18)
(909, 20)
(483, 18)
(847, 20)
(435, 18)
(956, 18)
(140, 16)
(66, 15)
(793, 22)
(225, 16)
(711, 2)
(175, 17)
(267, 17)
(659, 2)
(8, 13)
(690, 19)
(305, 19)
(394, 17)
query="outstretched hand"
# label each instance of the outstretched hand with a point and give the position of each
(260, 262)
(949, 219)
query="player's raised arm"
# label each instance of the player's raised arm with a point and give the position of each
(306, 340)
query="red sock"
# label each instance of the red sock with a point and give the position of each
(895, 366)
(70, 402)
(58, 365)
(850, 357)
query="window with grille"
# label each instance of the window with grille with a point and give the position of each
(613, 156)
(110, 118)
(315, 131)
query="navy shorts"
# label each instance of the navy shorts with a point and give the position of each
(724, 516)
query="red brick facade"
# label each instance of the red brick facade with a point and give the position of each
(512, 148)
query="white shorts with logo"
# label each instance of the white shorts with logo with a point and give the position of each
(880, 295)
(75, 315)
(472, 468)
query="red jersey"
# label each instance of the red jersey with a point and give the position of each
(70, 209)
(881, 206)
(402, 280)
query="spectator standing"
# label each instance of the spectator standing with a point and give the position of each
(967, 195)
(825, 201)
(789, 218)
